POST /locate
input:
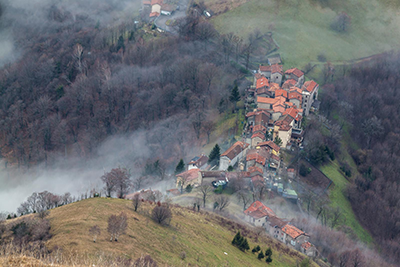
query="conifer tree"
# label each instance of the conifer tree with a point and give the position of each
(214, 155)
(236, 239)
(235, 96)
(268, 252)
(268, 259)
(180, 167)
(260, 255)
(244, 245)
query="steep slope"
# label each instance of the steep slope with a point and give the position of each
(204, 237)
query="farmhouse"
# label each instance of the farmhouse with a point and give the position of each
(199, 162)
(191, 177)
(293, 236)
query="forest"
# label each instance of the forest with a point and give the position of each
(79, 80)
(367, 99)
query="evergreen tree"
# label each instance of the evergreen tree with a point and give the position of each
(180, 167)
(214, 155)
(189, 188)
(254, 250)
(230, 168)
(236, 239)
(260, 255)
(258, 248)
(268, 259)
(121, 44)
(235, 96)
(268, 252)
(244, 245)
(278, 141)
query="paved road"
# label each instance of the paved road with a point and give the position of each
(160, 21)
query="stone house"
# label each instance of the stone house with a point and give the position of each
(257, 213)
(255, 159)
(231, 156)
(258, 117)
(276, 74)
(265, 70)
(296, 75)
(191, 177)
(198, 162)
(295, 96)
(274, 227)
(257, 138)
(309, 249)
(293, 236)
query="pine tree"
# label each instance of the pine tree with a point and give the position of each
(268, 259)
(180, 167)
(244, 245)
(258, 248)
(214, 155)
(260, 255)
(236, 239)
(254, 250)
(268, 252)
(278, 141)
(235, 96)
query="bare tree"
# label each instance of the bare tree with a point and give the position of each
(336, 216)
(136, 201)
(94, 231)
(205, 191)
(137, 183)
(223, 201)
(117, 225)
(161, 215)
(243, 196)
(208, 127)
(117, 180)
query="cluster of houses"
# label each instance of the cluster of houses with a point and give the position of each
(159, 7)
(262, 216)
(278, 101)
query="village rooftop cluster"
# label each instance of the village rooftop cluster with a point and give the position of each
(276, 104)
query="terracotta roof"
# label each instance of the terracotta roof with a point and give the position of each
(306, 245)
(259, 128)
(146, 2)
(292, 112)
(266, 100)
(290, 170)
(257, 76)
(289, 83)
(154, 14)
(275, 221)
(309, 86)
(275, 157)
(278, 108)
(258, 134)
(262, 82)
(257, 209)
(295, 95)
(258, 158)
(235, 150)
(265, 68)
(254, 169)
(189, 175)
(271, 145)
(262, 151)
(281, 92)
(292, 231)
(154, 2)
(276, 68)
(295, 71)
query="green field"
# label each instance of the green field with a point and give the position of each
(302, 27)
(338, 198)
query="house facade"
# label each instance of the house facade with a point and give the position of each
(257, 214)
(232, 155)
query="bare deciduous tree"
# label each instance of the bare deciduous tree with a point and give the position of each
(94, 231)
(136, 201)
(243, 196)
(205, 191)
(117, 225)
(223, 201)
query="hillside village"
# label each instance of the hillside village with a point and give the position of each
(276, 104)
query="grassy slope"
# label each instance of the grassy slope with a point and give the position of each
(198, 237)
(338, 198)
(302, 28)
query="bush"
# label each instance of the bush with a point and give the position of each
(182, 255)
(189, 188)
(161, 215)
(304, 171)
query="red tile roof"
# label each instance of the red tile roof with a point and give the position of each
(295, 71)
(289, 83)
(295, 95)
(292, 112)
(258, 76)
(271, 145)
(258, 158)
(265, 68)
(254, 169)
(146, 2)
(281, 92)
(309, 86)
(306, 245)
(292, 231)
(262, 82)
(154, 2)
(259, 128)
(266, 100)
(275, 221)
(258, 210)
(154, 14)
(290, 170)
(257, 180)
(235, 150)
(189, 175)
(276, 68)
(259, 135)
(199, 161)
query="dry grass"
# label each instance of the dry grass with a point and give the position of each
(204, 237)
